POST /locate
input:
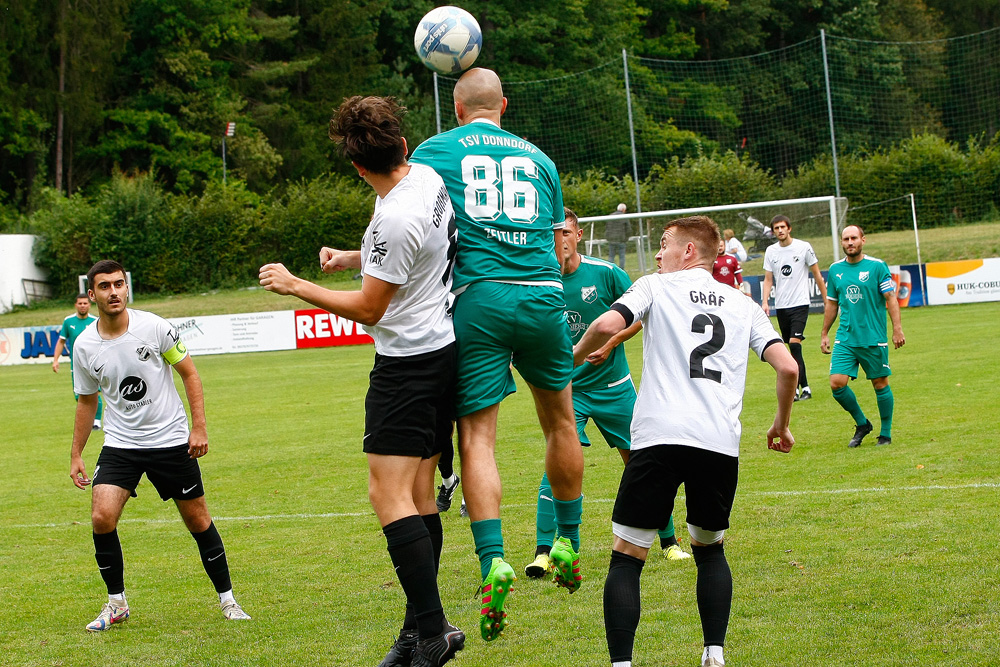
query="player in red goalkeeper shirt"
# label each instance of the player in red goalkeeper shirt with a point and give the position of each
(727, 269)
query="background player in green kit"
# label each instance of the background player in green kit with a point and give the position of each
(509, 309)
(72, 327)
(861, 289)
(602, 388)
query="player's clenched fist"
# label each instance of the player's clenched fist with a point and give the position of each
(276, 278)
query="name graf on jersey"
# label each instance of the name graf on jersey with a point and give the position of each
(710, 299)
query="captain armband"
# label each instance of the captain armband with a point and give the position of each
(176, 353)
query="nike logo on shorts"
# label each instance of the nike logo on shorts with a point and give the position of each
(184, 492)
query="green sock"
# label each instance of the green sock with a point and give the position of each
(569, 514)
(489, 542)
(667, 534)
(845, 396)
(885, 405)
(545, 517)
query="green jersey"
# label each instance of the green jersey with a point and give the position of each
(589, 292)
(72, 327)
(859, 290)
(507, 200)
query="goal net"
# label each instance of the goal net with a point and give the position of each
(817, 220)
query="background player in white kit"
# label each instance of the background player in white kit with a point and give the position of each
(127, 355)
(786, 264)
(686, 426)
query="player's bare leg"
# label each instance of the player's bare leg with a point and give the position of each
(106, 504)
(477, 434)
(564, 468)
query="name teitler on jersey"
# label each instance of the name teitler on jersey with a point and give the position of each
(133, 373)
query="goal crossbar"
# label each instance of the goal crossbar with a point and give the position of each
(830, 200)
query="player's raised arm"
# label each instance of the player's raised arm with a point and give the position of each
(86, 409)
(365, 306)
(332, 260)
(779, 437)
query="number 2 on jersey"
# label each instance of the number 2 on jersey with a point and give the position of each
(492, 188)
(715, 343)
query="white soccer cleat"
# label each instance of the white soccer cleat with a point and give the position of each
(111, 613)
(234, 612)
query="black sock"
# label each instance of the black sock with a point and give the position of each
(796, 350)
(412, 555)
(715, 592)
(621, 605)
(542, 549)
(668, 541)
(213, 557)
(446, 464)
(108, 552)
(433, 523)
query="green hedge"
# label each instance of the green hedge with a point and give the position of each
(174, 243)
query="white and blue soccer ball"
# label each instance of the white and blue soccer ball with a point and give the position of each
(448, 40)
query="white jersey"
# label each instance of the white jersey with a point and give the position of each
(790, 266)
(411, 242)
(142, 408)
(696, 332)
(736, 249)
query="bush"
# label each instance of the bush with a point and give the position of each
(707, 180)
(596, 193)
(64, 227)
(327, 211)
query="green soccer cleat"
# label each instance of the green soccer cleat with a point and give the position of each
(567, 565)
(496, 586)
(539, 567)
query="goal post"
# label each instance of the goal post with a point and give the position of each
(812, 218)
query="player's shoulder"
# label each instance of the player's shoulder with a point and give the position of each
(598, 264)
(143, 320)
(875, 260)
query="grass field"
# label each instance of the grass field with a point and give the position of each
(840, 557)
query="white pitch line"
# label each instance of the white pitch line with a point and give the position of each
(338, 515)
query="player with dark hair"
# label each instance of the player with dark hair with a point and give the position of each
(686, 426)
(726, 268)
(861, 291)
(72, 327)
(509, 308)
(127, 355)
(786, 264)
(406, 263)
(602, 387)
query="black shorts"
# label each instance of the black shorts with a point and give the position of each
(792, 322)
(652, 475)
(410, 404)
(171, 470)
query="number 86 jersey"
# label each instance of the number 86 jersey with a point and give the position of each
(507, 200)
(696, 332)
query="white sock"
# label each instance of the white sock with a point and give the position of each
(117, 598)
(626, 663)
(451, 481)
(226, 597)
(713, 652)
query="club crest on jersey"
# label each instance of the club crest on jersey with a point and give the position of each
(863, 276)
(854, 293)
(575, 322)
(589, 294)
(143, 353)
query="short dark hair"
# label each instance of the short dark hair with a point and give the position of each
(780, 218)
(104, 266)
(82, 295)
(569, 215)
(701, 230)
(367, 130)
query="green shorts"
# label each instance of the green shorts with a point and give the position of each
(497, 324)
(611, 410)
(874, 359)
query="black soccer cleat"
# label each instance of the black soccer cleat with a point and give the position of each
(884, 440)
(445, 494)
(439, 649)
(859, 434)
(804, 395)
(401, 653)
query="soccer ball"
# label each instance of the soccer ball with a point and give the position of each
(448, 40)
